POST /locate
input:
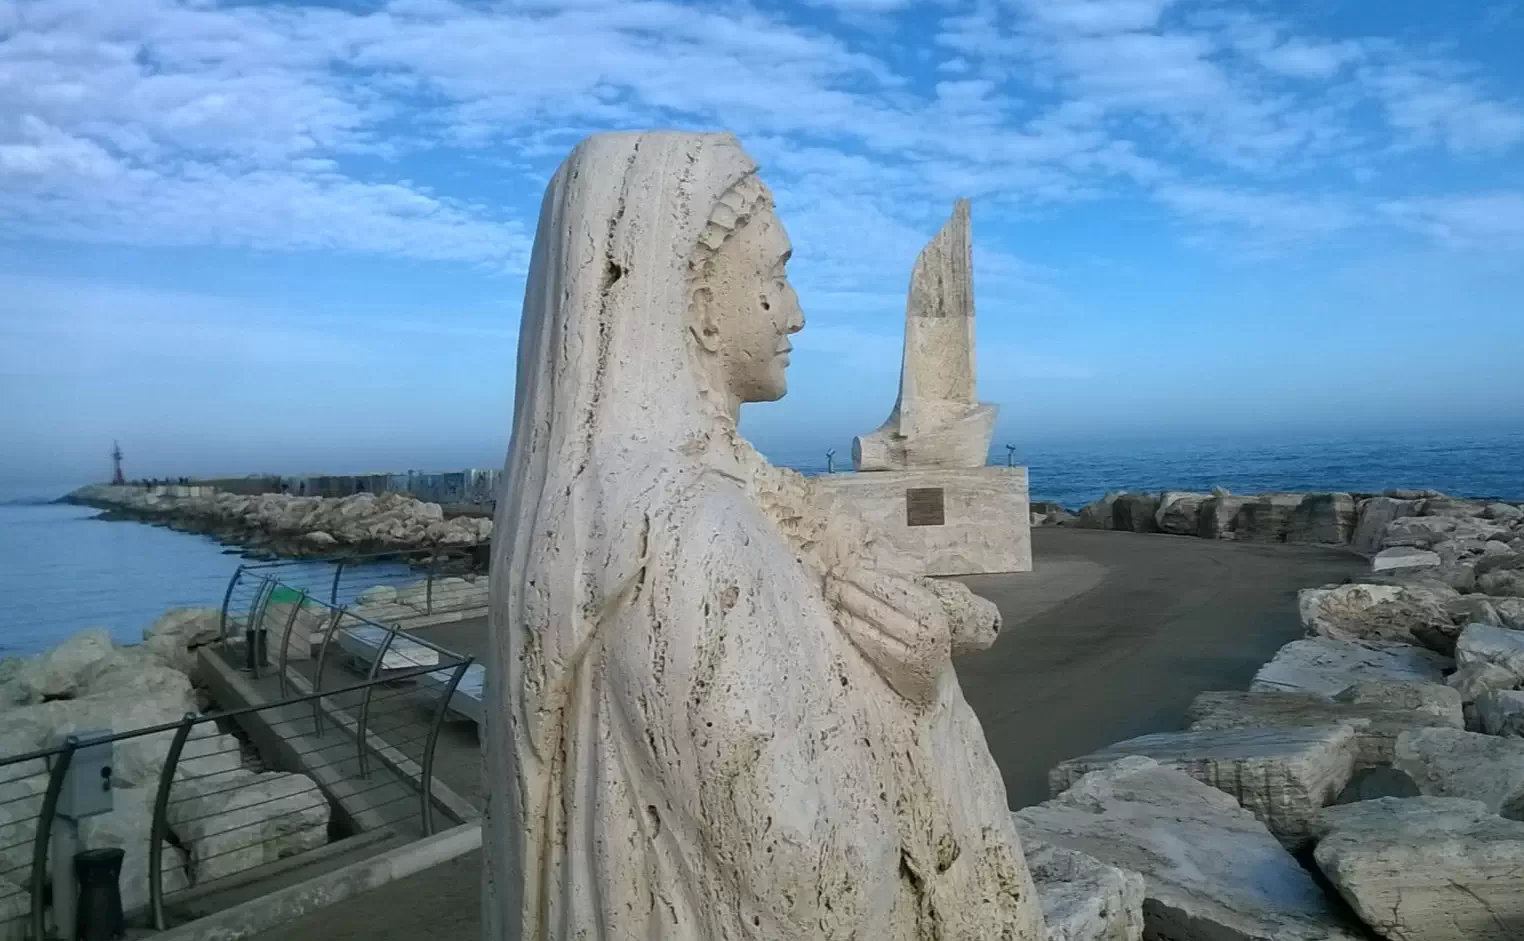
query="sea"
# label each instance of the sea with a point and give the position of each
(63, 569)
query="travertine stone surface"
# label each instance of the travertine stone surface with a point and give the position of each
(938, 420)
(1327, 666)
(1284, 775)
(1376, 724)
(1371, 612)
(1500, 646)
(718, 706)
(1400, 558)
(985, 510)
(1427, 868)
(1501, 712)
(1211, 871)
(1084, 899)
(1475, 680)
(1453, 763)
(1323, 518)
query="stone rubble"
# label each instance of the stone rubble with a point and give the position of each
(1084, 899)
(1455, 763)
(300, 526)
(1327, 666)
(1284, 775)
(1377, 722)
(1501, 712)
(1412, 674)
(1400, 558)
(1389, 613)
(1416, 521)
(1427, 868)
(1211, 870)
(87, 682)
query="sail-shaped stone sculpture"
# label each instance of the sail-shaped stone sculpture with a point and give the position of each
(922, 478)
(938, 420)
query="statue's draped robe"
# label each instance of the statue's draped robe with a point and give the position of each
(689, 737)
(738, 770)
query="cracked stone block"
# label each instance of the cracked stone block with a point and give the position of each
(1426, 868)
(1283, 775)
(1211, 871)
(1377, 723)
(1328, 666)
(1470, 765)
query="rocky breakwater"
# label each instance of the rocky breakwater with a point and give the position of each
(1381, 757)
(223, 817)
(297, 526)
(1358, 520)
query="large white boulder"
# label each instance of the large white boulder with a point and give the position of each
(1084, 899)
(1503, 512)
(128, 689)
(1377, 713)
(1499, 646)
(1098, 514)
(1425, 532)
(1323, 519)
(1427, 868)
(1510, 612)
(377, 594)
(1179, 512)
(1404, 557)
(61, 673)
(176, 635)
(1327, 666)
(1507, 583)
(1501, 712)
(1388, 613)
(237, 821)
(1211, 870)
(1136, 512)
(1267, 517)
(1284, 775)
(1478, 679)
(1453, 763)
(1375, 514)
(1218, 515)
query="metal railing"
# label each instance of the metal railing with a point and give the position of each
(212, 817)
(386, 586)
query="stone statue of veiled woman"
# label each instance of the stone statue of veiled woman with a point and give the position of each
(717, 709)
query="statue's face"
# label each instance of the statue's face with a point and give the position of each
(747, 309)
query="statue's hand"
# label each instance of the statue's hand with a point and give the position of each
(974, 621)
(901, 628)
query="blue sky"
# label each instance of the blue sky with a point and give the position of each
(244, 237)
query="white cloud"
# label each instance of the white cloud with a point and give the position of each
(1430, 103)
(1489, 221)
(1097, 16)
(1264, 220)
(178, 122)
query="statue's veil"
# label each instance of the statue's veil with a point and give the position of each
(610, 420)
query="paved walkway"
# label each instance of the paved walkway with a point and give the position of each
(1110, 637)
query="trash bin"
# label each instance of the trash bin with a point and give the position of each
(99, 914)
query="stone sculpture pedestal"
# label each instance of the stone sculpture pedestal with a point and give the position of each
(921, 476)
(954, 521)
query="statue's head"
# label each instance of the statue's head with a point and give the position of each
(743, 309)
